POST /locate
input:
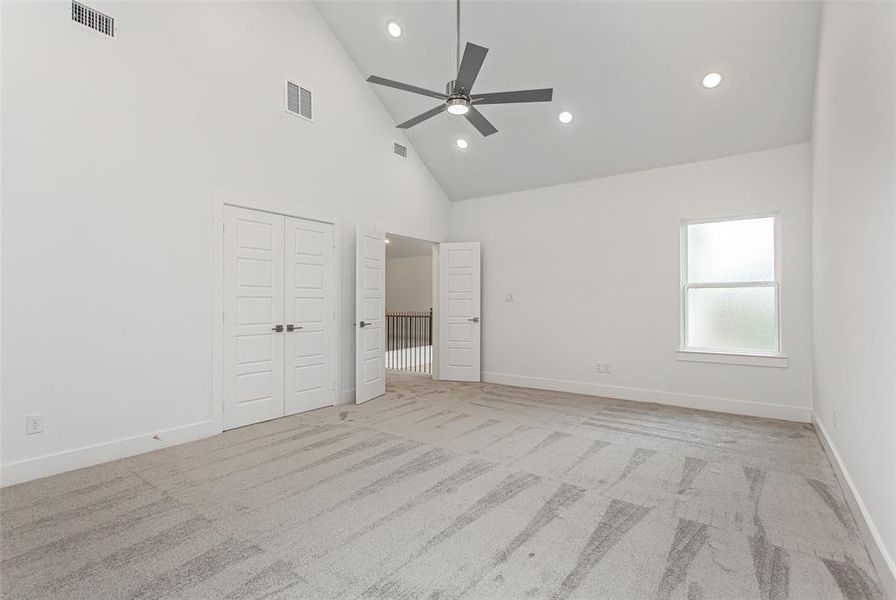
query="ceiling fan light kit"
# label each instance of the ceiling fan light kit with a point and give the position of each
(459, 99)
(458, 106)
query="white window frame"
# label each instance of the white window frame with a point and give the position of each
(774, 358)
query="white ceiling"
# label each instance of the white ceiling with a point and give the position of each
(630, 73)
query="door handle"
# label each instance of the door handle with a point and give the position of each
(364, 324)
(292, 327)
(473, 319)
(277, 328)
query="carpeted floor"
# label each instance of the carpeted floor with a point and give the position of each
(443, 490)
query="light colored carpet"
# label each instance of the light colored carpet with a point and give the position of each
(443, 490)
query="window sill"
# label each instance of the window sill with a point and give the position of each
(730, 358)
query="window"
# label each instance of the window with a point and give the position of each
(731, 286)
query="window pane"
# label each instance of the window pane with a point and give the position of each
(742, 250)
(732, 318)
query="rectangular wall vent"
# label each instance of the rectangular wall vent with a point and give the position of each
(92, 18)
(298, 100)
(400, 150)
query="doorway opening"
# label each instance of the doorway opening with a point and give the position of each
(410, 326)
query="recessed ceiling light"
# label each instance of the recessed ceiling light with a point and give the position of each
(711, 80)
(394, 29)
(462, 143)
(565, 117)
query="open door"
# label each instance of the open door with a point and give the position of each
(459, 314)
(370, 314)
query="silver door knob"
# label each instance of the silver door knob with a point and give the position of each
(473, 319)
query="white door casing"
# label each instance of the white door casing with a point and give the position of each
(459, 314)
(436, 313)
(309, 315)
(370, 314)
(253, 306)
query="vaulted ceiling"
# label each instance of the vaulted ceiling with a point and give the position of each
(630, 72)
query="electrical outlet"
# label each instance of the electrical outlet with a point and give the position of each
(602, 368)
(34, 424)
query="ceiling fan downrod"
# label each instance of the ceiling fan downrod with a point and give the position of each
(457, 55)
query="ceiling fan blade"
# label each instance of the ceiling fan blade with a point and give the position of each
(542, 95)
(403, 86)
(469, 68)
(422, 117)
(480, 122)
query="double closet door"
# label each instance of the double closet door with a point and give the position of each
(279, 316)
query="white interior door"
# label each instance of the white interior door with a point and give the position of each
(309, 315)
(459, 314)
(370, 314)
(253, 307)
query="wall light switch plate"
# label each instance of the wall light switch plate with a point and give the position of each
(508, 298)
(602, 368)
(34, 424)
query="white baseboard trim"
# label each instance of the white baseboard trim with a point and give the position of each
(883, 562)
(69, 460)
(712, 403)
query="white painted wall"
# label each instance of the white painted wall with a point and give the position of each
(409, 283)
(854, 248)
(114, 150)
(594, 270)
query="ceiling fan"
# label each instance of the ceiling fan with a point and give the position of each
(458, 98)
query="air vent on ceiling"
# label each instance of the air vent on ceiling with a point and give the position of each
(92, 18)
(400, 150)
(298, 100)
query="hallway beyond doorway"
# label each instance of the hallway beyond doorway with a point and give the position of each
(409, 304)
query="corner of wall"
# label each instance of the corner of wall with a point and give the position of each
(874, 543)
(407, 141)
